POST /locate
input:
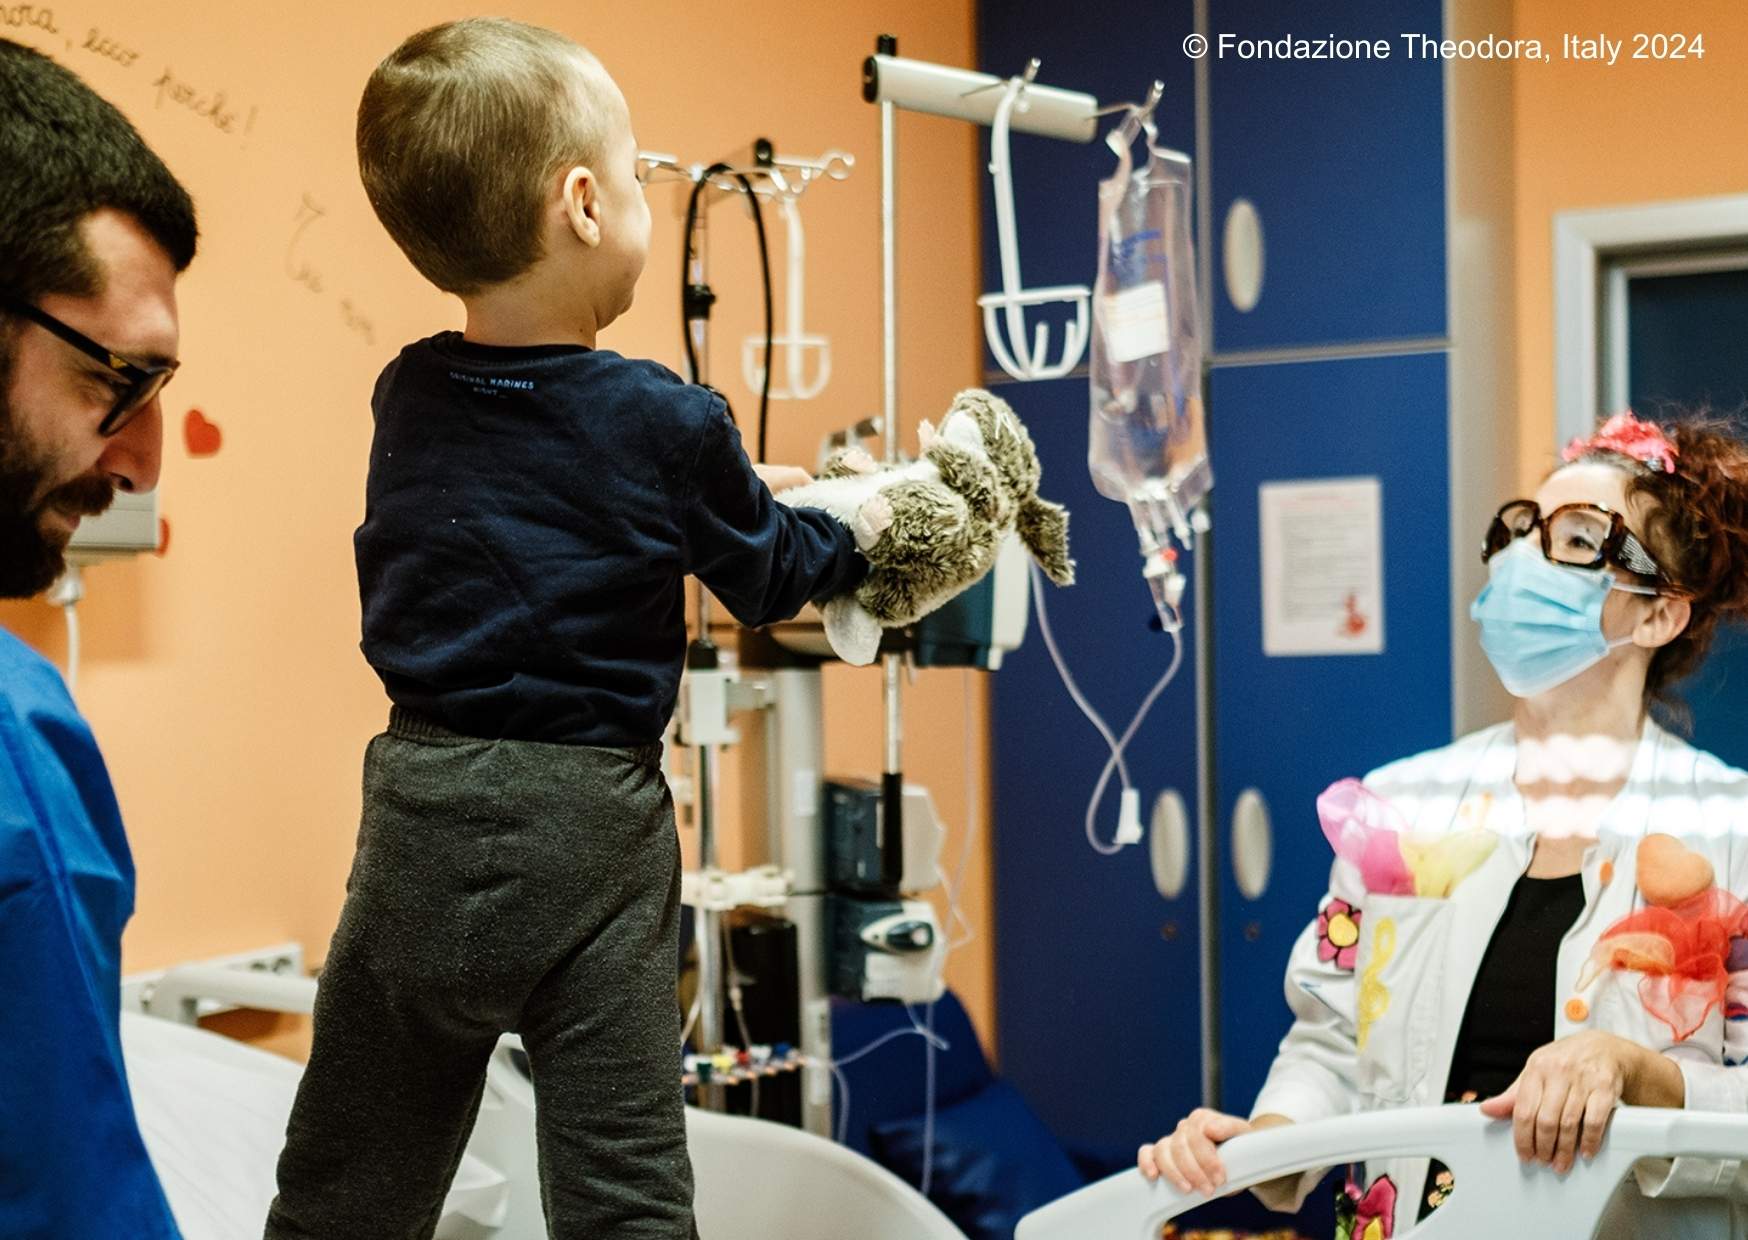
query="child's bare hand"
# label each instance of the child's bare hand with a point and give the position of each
(782, 477)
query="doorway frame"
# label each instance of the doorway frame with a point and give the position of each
(1588, 241)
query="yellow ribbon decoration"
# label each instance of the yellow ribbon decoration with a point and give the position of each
(1374, 997)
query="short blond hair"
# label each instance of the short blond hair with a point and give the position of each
(460, 131)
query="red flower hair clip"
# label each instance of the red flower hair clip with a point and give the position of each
(1626, 436)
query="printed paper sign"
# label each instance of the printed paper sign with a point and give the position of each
(1322, 567)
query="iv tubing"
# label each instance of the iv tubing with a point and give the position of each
(1117, 746)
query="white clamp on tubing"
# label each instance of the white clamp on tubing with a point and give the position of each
(717, 891)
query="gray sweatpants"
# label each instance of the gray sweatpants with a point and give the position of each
(498, 885)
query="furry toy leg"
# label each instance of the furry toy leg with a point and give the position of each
(852, 630)
(848, 463)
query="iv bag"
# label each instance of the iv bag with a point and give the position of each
(1147, 447)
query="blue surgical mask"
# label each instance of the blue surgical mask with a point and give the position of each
(1541, 623)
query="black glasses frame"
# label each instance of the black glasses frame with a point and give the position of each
(144, 380)
(1618, 547)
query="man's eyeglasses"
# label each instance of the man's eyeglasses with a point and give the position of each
(141, 380)
(1578, 535)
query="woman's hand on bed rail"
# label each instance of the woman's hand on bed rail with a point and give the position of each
(1190, 1158)
(1560, 1104)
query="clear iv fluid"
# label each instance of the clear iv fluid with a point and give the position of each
(1146, 442)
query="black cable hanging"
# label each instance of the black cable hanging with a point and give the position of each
(697, 299)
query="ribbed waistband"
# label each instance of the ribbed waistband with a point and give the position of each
(412, 726)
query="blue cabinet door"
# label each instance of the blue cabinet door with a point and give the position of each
(1096, 974)
(1290, 726)
(1343, 162)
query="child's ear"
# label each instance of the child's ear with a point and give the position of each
(582, 206)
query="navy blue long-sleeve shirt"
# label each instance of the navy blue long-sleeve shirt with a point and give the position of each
(530, 515)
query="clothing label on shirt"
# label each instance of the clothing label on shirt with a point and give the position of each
(1136, 323)
(491, 385)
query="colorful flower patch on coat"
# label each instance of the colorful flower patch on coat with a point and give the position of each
(1338, 934)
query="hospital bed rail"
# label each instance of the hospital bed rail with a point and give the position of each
(177, 995)
(1510, 1198)
(754, 1180)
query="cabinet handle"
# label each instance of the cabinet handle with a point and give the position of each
(1241, 252)
(1169, 844)
(1252, 844)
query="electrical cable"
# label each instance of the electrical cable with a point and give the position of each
(956, 883)
(698, 989)
(929, 1053)
(735, 1002)
(702, 298)
(1116, 763)
(66, 594)
(72, 610)
(835, 1064)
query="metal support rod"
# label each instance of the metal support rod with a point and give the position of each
(918, 86)
(889, 277)
(707, 1036)
(1207, 782)
(1207, 823)
(892, 664)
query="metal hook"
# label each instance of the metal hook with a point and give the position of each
(1139, 120)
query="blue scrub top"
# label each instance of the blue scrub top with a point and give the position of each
(72, 1163)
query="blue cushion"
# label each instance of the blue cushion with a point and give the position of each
(994, 1161)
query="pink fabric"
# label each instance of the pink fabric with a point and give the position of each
(1363, 828)
(1626, 436)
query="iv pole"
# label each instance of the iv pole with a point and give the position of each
(892, 662)
(961, 94)
(706, 728)
(918, 86)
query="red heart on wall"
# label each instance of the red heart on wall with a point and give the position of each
(163, 547)
(202, 437)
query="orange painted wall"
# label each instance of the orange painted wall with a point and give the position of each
(1593, 135)
(224, 680)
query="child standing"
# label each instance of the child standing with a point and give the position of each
(532, 508)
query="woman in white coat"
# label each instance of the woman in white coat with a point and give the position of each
(1604, 590)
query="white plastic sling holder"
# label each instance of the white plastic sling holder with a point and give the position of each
(794, 340)
(1022, 360)
(1504, 1197)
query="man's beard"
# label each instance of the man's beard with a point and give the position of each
(31, 559)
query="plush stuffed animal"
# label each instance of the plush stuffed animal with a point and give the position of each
(931, 528)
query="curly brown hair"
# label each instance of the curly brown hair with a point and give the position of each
(1697, 527)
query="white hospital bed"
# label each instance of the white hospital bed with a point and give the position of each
(213, 1114)
(1512, 1199)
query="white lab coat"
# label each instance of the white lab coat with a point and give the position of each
(1438, 944)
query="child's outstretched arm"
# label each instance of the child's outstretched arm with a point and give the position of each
(764, 560)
